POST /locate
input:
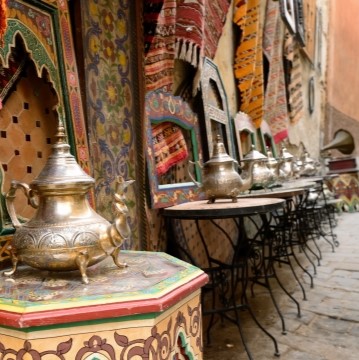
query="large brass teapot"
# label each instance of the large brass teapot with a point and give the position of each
(220, 175)
(65, 233)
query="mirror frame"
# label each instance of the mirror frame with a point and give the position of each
(244, 123)
(210, 73)
(161, 107)
(264, 132)
(287, 11)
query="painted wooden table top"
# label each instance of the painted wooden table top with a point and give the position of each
(152, 282)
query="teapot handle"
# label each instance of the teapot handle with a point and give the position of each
(197, 163)
(10, 197)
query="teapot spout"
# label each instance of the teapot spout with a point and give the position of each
(119, 231)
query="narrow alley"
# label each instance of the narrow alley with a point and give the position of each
(328, 328)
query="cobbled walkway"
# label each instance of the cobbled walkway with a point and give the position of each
(328, 328)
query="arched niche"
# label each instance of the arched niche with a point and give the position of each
(245, 134)
(28, 121)
(42, 29)
(266, 139)
(18, 34)
(44, 26)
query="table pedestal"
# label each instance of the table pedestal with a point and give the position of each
(225, 276)
(150, 309)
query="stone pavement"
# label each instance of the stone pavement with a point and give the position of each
(328, 328)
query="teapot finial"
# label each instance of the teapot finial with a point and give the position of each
(60, 136)
(218, 147)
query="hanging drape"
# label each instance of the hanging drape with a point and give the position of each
(275, 103)
(295, 81)
(248, 64)
(159, 44)
(185, 30)
(3, 22)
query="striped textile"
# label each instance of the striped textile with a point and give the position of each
(295, 81)
(215, 17)
(189, 31)
(151, 11)
(248, 65)
(275, 102)
(159, 59)
(169, 146)
(199, 25)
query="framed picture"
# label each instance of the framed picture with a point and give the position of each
(287, 12)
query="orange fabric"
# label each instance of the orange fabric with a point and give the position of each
(248, 66)
(3, 22)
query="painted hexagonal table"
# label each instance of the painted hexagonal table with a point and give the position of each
(148, 310)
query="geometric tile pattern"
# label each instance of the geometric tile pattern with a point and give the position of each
(27, 127)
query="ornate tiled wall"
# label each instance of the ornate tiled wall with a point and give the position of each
(109, 50)
(108, 44)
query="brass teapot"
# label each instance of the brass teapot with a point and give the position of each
(220, 174)
(65, 233)
(285, 164)
(261, 175)
(273, 166)
(309, 166)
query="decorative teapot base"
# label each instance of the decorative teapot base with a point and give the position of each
(212, 199)
(62, 259)
(82, 243)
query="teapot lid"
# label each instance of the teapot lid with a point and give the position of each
(306, 158)
(61, 168)
(254, 154)
(219, 153)
(285, 154)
